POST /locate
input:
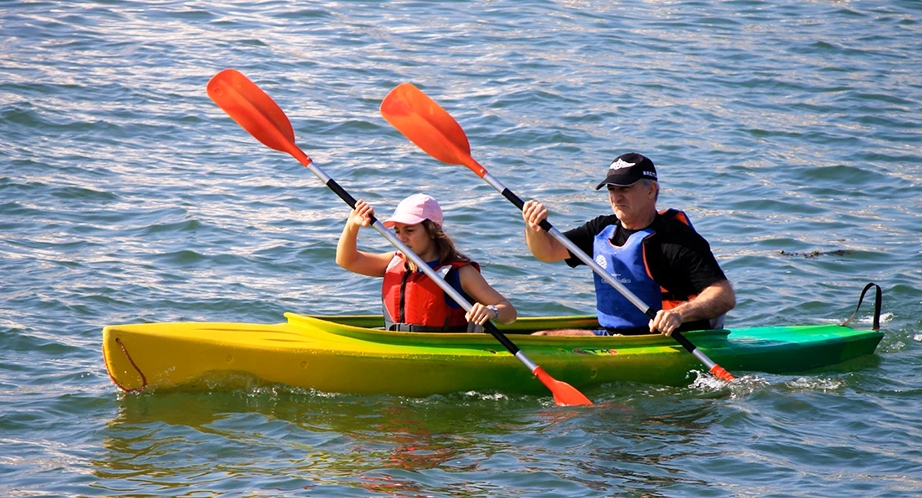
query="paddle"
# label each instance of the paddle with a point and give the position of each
(258, 114)
(430, 127)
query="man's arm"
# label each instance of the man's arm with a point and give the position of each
(541, 244)
(715, 300)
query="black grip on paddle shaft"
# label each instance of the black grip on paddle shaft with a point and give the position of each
(676, 334)
(342, 193)
(519, 203)
(346, 197)
(491, 328)
(684, 342)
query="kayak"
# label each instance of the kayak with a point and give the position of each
(351, 354)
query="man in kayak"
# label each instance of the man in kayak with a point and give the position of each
(658, 256)
(412, 301)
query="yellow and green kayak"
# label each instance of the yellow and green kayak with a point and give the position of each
(347, 354)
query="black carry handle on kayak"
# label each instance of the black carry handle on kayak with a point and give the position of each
(878, 300)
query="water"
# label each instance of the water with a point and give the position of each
(787, 130)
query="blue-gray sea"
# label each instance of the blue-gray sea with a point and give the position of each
(789, 131)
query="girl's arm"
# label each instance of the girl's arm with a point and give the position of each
(473, 283)
(347, 254)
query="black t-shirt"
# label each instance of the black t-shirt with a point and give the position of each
(680, 260)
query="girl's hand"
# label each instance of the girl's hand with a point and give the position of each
(362, 214)
(480, 314)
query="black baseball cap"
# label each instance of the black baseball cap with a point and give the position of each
(628, 169)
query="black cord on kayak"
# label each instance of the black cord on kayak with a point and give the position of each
(878, 298)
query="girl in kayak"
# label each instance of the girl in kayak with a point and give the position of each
(412, 301)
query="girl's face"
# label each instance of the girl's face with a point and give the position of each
(417, 239)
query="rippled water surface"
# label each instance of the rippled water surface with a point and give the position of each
(789, 131)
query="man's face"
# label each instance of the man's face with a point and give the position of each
(634, 203)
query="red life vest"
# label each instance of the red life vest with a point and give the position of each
(414, 302)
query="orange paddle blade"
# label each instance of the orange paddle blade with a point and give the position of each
(564, 394)
(255, 111)
(427, 125)
(722, 373)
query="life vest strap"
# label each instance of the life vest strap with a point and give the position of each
(409, 327)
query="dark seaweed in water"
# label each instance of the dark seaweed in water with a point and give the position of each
(814, 254)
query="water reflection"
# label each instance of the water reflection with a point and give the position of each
(651, 440)
(352, 441)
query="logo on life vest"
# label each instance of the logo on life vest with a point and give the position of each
(620, 164)
(622, 280)
(600, 259)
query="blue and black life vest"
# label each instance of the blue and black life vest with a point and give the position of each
(628, 265)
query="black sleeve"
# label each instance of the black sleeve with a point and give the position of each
(706, 270)
(583, 236)
(686, 264)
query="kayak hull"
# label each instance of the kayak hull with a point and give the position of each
(345, 354)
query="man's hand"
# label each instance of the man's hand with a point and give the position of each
(666, 322)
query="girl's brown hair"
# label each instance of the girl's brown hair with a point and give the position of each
(443, 244)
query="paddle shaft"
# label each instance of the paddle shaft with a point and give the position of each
(430, 127)
(283, 143)
(608, 277)
(564, 394)
(406, 251)
(257, 113)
